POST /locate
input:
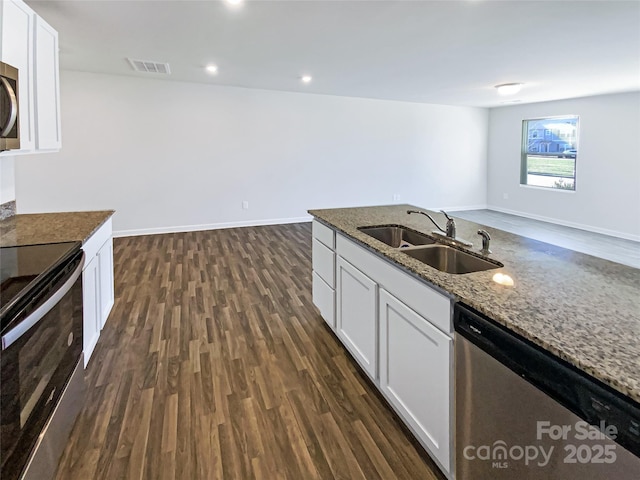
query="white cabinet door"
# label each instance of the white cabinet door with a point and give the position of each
(105, 267)
(47, 89)
(91, 307)
(415, 374)
(17, 50)
(356, 315)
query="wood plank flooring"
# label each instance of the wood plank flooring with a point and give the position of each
(214, 364)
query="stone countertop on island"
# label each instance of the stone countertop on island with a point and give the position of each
(583, 309)
(38, 228)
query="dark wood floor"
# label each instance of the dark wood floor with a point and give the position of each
(214, 364)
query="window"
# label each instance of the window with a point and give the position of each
(549, 152)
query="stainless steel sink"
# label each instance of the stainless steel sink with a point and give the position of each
(397, 236)
(451, 260)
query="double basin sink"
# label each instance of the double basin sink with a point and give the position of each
(427, 250)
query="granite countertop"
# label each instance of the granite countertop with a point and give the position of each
(37, 228)
(584, 309)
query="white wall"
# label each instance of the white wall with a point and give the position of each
(176, 156)
(607, 196)
(7, 180)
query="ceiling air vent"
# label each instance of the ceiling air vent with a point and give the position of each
(148, 66)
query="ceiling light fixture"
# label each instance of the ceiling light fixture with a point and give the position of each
(306, 79)
(234, 3)
(508, 88)
(212, 69)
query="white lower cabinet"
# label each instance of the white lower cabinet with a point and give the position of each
(105, 260)
(323, 261)
(415, 363)
(398, 328)
(324, 297)
(90, 306)
(97, 286)
(356, 326)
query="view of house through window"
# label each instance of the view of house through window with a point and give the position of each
(549, 152)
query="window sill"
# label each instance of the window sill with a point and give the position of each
(547, 189)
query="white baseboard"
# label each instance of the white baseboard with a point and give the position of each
(458, 208)
(209, 226)
(580, 226)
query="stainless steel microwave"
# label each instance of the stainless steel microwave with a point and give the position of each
(9, 108)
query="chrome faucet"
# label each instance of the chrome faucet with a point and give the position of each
(449, 231)
(451, 225)
(486, 238)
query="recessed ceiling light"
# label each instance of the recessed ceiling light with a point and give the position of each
(234, 2)
(306, 79)
(508, 88)
(212, 69)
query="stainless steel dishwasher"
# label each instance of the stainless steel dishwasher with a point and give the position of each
(522, 413)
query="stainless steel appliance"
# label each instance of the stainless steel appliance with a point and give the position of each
(524, 414)
(9, 108)
(41, 375)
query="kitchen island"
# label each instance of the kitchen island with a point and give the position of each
(583, 309)
(394, 313)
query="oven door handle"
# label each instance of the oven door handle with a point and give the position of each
(15, 333)
(13, 111)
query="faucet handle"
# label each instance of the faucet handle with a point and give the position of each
(451, 225)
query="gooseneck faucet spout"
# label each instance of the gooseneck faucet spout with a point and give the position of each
(449, 231)
(451, 224)
(409, 212)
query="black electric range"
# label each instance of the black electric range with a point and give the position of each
(41, 366)
(23, 271)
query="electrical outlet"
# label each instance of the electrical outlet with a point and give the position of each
(505, 196)
(396, 197)
(245, 205)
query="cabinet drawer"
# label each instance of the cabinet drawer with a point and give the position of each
(324, 297)
(324, 234)
(323, 261)
(419, 296)
(97, 240)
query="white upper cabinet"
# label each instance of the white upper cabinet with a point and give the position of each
(47, 87)
(17, 50)
(31, 45)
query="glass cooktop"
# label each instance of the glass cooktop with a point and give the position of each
(20, 268)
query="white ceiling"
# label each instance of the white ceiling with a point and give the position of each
(448, 52)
